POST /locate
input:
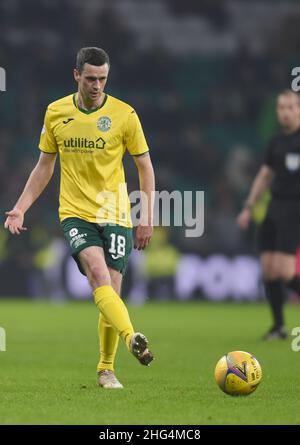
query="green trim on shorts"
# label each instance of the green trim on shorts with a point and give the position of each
(116, 241)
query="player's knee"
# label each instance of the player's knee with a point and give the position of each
(98, 276)
(286, 275)
(271, 274)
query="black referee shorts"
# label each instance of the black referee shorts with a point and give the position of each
(280, 231)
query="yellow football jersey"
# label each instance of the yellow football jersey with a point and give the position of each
(91, 145)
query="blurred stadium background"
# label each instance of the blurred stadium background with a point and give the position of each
(203, 76)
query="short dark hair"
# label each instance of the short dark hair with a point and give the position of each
(92, 55)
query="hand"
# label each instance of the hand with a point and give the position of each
(243, 218)
(14, 221)
(142, 236)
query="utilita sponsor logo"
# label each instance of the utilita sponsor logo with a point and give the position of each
(84, 143)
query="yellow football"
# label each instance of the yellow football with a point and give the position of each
(238, 373)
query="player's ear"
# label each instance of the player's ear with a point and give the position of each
(76, 74)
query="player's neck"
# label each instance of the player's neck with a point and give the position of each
(88, 105)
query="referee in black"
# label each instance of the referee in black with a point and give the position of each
(279, 235)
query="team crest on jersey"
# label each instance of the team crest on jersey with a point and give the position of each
(292, 161)
(104, 123)
(73, 232)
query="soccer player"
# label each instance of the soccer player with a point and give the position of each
(279, 235)
(91, 130)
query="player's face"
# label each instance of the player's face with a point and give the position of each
(91, 81)
(288, 110)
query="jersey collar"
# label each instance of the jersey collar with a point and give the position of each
(87, 111)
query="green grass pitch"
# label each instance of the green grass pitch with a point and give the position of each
(47, 374)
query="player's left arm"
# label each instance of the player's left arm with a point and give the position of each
(147, 187)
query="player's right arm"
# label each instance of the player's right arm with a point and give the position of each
(37, 182)
(260, 184)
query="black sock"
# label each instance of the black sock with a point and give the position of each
(275, 296)
(294, 284)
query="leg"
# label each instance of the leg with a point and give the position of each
(273, 288)
(106, 284)
(108, 301)
(110, 304)
(288, 242)
(287, 265)
(108, 337)
(269, 264)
